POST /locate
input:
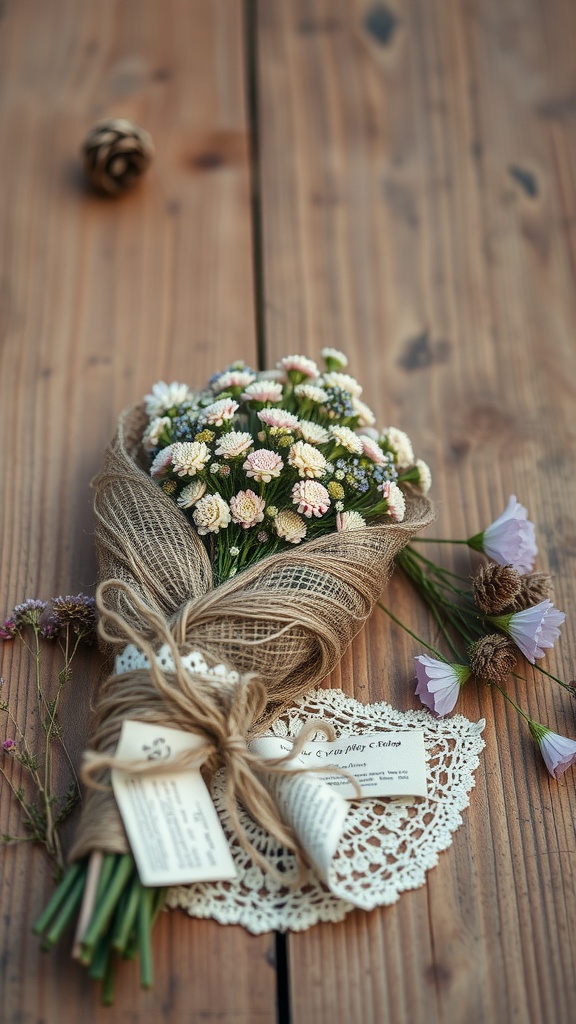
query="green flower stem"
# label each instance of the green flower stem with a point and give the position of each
(512, 702)
(144, 926)
(100, 959)
(437, 540)
(107, 996)
(68, 909)
(58, 897)
(410, 633)
(555, 679)
(105, 905)
(438, 570)
(125, 925)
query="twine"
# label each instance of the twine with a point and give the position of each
(282, 625)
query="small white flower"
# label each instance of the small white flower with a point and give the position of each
(217, 413)
(263, 465)
(424, 476)
(279, 418)
(332, 355)
(162, 462)
(234, 551)
(211, 514)
(289, 526)
(342, 381)
(347, 439)
(166, 396)
(339, 506)
(190, 494)
(401, 445)
(307, 460)
(298, 364)
(232, 379)
(313, 433)
(247, 509)
(234, 443)
(189, 457)
(350, 520)
(372, 450)
(152, 433)
(366, 417)
(311, 392)
(263, 391)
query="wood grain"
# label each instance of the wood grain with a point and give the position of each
(418, 213)
(98, 299)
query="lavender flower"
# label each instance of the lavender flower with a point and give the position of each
(559, 752)
(509, 540)
(439, 683)
(9, 745)
(78, 611)
(8, 629)
(532, 629)
(28, 612)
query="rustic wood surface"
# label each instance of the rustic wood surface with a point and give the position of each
(395, 180)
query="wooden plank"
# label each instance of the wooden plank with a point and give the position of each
(100, 298)
(418, 213)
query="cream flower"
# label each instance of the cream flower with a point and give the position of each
(311, 497)
(278, 418)
(211, 514)
(166, 396)
(263, 465)
(189, 457)
(234, 443)
(307, 460)
(263, 391)
(153, 431)
(401, 445)
(162, 462)
(232, 379)
(332, 355)
(372, 450)
(247, 509)
(190, 494)
(347, 439)
(311, 392)
(289, 526)
(298, 364)
(396, 501)
(366, 417)
(313, 433)
(349, 521)
(344, 382)
(219, 412)
(424, 476)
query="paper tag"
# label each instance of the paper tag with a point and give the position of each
(174, 830)
(383, 763)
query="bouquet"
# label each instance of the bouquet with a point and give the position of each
(255, 524)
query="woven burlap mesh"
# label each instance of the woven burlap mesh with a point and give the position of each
(283, 625)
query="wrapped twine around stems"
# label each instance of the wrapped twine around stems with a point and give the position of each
(282, 625)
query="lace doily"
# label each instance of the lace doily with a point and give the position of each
(388, 844)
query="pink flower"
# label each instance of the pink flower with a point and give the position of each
(396, 500)
(262, 391)
(262, 465)
(559, 752)
(247, 509)
(8, 745)
(349, 521)
(311, 497)
(278, 418)
(532, 629)
(298, 366)
(162, 463)
(232, 379)
(372, 450)
(439, 683)
(509, 540)
(219, 412)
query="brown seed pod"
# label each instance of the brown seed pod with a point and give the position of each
(116, 153)
(495, 587)
(493, 658)
(535, 587)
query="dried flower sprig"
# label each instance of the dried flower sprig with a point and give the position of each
(68, 621)
(504, 595)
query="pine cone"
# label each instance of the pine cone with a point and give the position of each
(116, 153)
(495, 587)
(493, 658)
(535, 587)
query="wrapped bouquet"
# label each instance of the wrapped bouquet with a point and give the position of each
(252, 525)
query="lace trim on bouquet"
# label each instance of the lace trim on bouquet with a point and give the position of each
(388, 844)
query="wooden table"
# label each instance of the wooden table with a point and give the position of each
(394, 180)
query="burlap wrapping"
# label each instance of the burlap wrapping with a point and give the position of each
(283, 625)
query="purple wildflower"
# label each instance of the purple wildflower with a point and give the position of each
(28, 612)
(509, 540)
(439, 683)
(559, 752)
(8, 745)
(78, 611)
(8, 630)
(532, 629)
